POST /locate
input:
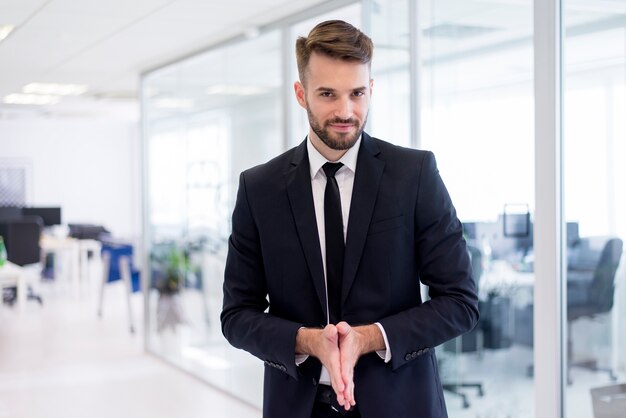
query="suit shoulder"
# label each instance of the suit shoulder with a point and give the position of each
(274, 167)
(401, 154)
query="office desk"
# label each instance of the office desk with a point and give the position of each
(66, 252)
(12, 275)
(501, 278)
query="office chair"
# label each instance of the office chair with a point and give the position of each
(22, 236)
(590, 289)
(471, 341)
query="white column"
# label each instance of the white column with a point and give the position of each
(548, 307)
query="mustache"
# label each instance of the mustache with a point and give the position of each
(343, 121)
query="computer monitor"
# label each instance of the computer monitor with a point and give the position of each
(9, 213)
(50, 215)
(516, 225)
(572, 234)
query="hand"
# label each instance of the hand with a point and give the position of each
(324, 344)
(339, 348)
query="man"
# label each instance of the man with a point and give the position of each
(334, 237)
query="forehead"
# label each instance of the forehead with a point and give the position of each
(336, 73)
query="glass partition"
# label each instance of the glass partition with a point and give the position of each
(594, 127)
(390, 113)
(477, 117)
(206, 119)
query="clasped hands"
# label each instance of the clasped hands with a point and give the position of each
(339, 347)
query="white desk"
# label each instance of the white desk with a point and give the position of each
(66, 253)
(84, 247)
(13, 275)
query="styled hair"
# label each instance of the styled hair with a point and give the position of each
(335, 39)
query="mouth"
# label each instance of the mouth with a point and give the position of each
(342, 127)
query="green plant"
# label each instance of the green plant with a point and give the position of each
(170, 265)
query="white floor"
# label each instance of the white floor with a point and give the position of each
(61, 360)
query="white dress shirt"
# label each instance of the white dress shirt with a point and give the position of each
(345, 181)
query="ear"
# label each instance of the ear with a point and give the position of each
(371, 86)
(300, 93)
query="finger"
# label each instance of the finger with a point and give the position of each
(347, 375)
(352, 398)
(341, 400)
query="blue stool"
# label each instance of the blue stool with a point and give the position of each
(117, 265)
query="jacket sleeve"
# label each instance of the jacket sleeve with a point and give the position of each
(245, 322)
(444, 266)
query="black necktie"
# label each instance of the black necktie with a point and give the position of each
(333, 226)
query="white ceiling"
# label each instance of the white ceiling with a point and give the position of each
(108, 44)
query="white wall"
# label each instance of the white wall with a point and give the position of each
(89, 167)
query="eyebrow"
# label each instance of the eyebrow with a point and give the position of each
(332, 90)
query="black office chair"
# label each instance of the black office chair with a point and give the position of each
(471, 341)
(21, 237)
(590, 288)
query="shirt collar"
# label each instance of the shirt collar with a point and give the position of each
(317, 160)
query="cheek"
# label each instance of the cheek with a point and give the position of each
(319, 111)
(360, 110)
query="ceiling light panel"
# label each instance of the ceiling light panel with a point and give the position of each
(31, 99)
(5, 30)
(55, 89)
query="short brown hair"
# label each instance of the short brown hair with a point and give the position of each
(335, 39)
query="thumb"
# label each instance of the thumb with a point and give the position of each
(343, 328)
(330, 333)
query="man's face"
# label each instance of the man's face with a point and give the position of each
(336, 96)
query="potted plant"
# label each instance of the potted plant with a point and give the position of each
(170, 266)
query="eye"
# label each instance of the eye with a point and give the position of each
(326, 94)
(358, 93)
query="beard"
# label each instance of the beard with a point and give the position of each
(336, 140)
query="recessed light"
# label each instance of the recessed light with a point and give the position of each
(5, 30)
(55, 89)
(32, 99)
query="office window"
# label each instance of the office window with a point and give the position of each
(14, 183)
(477, 117)
(594, 177)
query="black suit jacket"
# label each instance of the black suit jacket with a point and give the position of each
(402, 229)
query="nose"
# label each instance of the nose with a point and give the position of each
(344, 108)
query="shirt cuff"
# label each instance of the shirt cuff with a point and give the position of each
(301, 358)
(386, 353)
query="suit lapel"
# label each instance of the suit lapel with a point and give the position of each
(298, 178)
(369, 170)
